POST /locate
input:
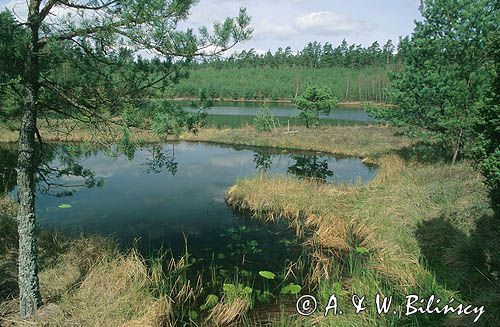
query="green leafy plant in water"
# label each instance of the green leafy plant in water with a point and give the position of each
(291, 288)
(233, 291)
(263, 296)
(252, 247)
(210, 302)
(267, 274)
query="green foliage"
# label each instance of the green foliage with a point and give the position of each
(291, 288)
(442, 90)
(310, 167)
(264, 83)
(362, 250)
(264, 120)
(210, 302)
(234, 291)
(315, 102)
(13, 41)
(267, 274)
(169, 118)
(314, 55)
(486, 149)
(93, 76)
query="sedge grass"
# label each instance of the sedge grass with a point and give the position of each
(383, 216)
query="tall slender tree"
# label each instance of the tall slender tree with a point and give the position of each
(96, 33)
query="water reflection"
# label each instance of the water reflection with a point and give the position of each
(263, 161)
(161, 160)
(310, 167)
(166, 192)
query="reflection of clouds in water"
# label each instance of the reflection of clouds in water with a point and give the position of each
(192, 170)
(71, 179)
(105, 166)
(219, 198)
(231, 161)
(184, 147)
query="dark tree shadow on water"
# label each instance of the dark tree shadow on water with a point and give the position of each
(468, 264)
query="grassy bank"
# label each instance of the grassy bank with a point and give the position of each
(371, 141)
(419, 227)
(363, 140)
(64, 131)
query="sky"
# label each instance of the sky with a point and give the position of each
(282, 23)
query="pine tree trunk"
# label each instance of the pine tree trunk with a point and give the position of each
(29, 290)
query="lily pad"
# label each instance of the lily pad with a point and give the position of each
(267, 274)
(64, 206)
(291, 289)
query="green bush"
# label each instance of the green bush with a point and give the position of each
(264, 120)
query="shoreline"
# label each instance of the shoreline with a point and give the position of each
(285, 101)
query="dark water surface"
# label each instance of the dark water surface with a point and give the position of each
(166, 193)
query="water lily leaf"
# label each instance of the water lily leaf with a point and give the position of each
(247, 290)
(362, 250)
(267, 274)
(291, 289)
(64, 206)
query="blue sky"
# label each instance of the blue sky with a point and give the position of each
(281, 23)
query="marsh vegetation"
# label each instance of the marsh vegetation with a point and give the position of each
(120, 205)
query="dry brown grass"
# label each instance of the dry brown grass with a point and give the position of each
(224, 314)
(73, 266)
(67, 131)
(8, 247)
(381, 216)
(362, 141)
(93, 285)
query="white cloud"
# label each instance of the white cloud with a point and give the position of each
(230, 161)
(18, 8)
(273, 30)
(328, 23)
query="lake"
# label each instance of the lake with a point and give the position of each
(235, 114)
(164, 194)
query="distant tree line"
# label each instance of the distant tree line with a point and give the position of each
(352, 72)
(314, 55)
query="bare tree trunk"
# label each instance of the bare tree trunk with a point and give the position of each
(297, 82)
(29, 289)
(458, 147)
(347, 91)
